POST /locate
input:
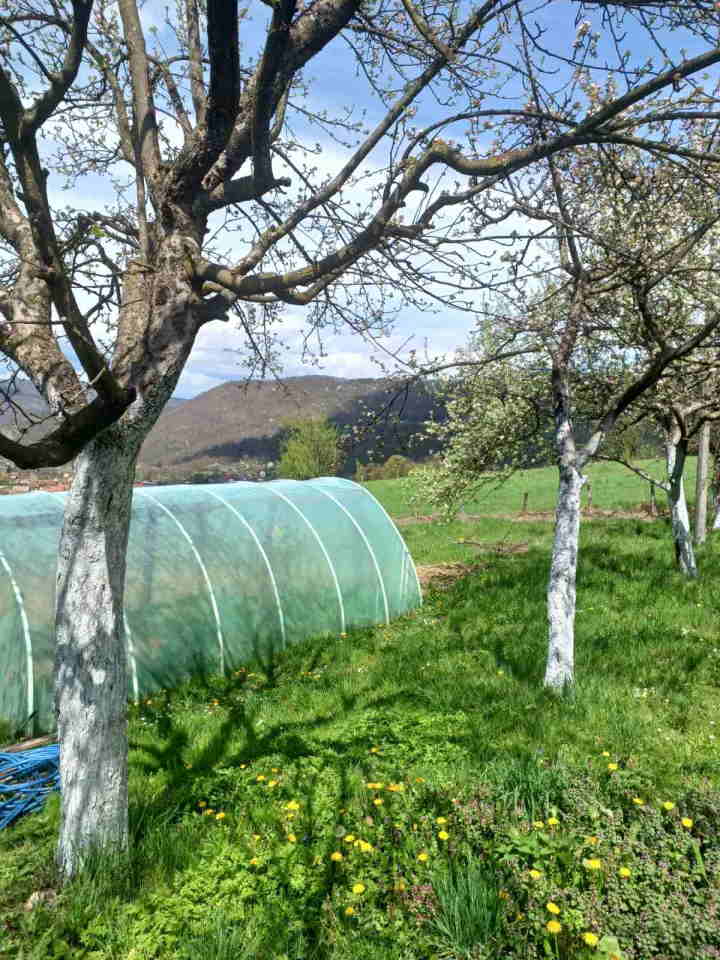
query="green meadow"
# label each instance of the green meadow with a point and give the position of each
(410, 791)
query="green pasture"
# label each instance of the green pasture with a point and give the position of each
(410, 792)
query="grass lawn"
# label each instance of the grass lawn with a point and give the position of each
(410, 792)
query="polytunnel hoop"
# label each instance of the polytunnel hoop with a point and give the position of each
(406, 552)
(314, 532)
(367, 544)
(264, 555)
(30, 667)
(203, 569)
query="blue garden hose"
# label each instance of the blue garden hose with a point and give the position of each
(26, 779)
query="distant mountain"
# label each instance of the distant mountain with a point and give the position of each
(244, 421)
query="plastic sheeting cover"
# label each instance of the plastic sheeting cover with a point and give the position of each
(216, 575)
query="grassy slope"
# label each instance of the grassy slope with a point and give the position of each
(448, 704)
(613, 488)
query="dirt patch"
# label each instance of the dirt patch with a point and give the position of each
(443, 575)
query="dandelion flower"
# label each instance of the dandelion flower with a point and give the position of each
(293, 805)
(209, 812)
(441, 820)
(422, 857)
(366, 847)
(538, 824)
(374, 786)
(419, 779)
(358, 888)
(271, 784)
(378, 801)
(612, 767)
(605, 753)
(349, 911)
(593, 841)
(591, 939)
(686, 822)
(396, 787)
(553, 821)
(638, 801)
(553, 908)
(202, 804)
(374, 749)
(535, 874)
(624, 872)
(349, 837)
(553, 926)
(254, 862)
(399, 885)
(220, 816)
(443, 835)
(292, 838)
(592, 864)
(668, 805)
(336, 856)
(260, 777)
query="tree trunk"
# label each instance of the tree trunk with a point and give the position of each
(684, 553)
(91, 664)
(560, 669)
(701, 484)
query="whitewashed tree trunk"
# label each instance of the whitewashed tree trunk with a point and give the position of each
(560, 668)
(701, 483)
(91, 668)
(91, 665)
(684, 552)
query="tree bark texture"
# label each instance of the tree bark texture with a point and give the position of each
(560, 669)
(158, 329)
(701, 484)
(91, 664)
(684, 552)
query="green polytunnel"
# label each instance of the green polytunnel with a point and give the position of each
(217, 574)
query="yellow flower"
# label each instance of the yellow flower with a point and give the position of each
(290, 816)
(260, 776)
(638, 801)
(358, 888)
(553, 821)
(686, 822)
(256, 837)
(365, 847)
(374, 786)
(504, 895)
(419, 779)
(242, 766)
(624, 871)
(605, 753)
(441, 820)
(591, 939)
(378, 801)
(593, 841)
(396, 787)
(553, 926)
(612, 767)
(292, 838)
(348, 838)
(220, 816)
(592, 864)
(668, 805)
(337, 856)
(254, 862)
(443, 835)
(399, 885)
(271, 784)
(374, 749)
(422, 857)
(202, 804)
(208, 812)
(536, 874)
(553, 908)
(275, 770)
(538, 824)
(293, 805)
(349, 911)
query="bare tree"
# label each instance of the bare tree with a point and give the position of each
(190, 134)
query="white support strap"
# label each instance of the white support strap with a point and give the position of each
(316, 535)
(221, 642)
(26, 633)
(365, 540)
(264, 555)
(407, 559)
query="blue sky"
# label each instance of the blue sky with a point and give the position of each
(217, 356)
